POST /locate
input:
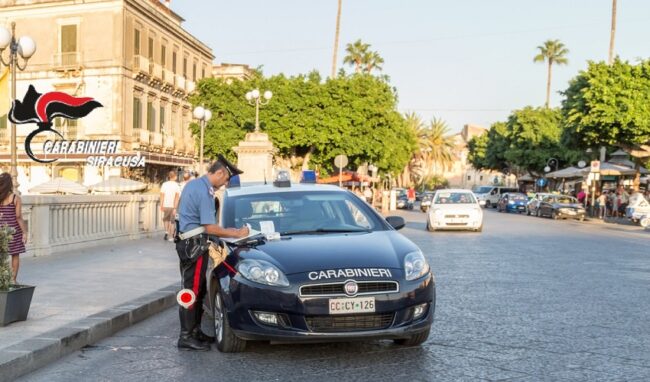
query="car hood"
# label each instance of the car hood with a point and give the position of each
(305, 253)
(567, 205)
(456, 207)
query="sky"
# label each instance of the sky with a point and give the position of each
(465, 61)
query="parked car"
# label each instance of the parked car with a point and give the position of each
(512, 202)
(404, 203)
(561, 207)
(638, 208)
(533, 203)
(455, 209)
(489, 196)
(426, 200)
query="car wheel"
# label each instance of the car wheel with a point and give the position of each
(414, 340)
(227, 341)
(554, 215)
(488, 204)
(645, 222)
(480, 228)
(430, 227)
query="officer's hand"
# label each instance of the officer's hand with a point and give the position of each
(242, 232)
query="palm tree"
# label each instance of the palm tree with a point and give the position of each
(439, 146)
(336, 38)
(372, 60)
(553, 52)
(414, 170)
(356, 53)
(612, 33)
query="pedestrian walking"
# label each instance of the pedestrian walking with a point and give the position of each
(169, 194)
(602, 205)
(197, 222)
(11, 216)
(186, 178)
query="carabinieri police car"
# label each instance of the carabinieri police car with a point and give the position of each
(328, 268)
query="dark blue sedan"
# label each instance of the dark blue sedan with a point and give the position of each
(328, 268)
(513, 202)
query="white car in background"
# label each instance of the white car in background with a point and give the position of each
(455, 209)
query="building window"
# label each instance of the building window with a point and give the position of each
(203, 72)
(162, 120)
(136, 42)
(151, 117)
(163, 55)
(481, 177)
(67, 127)
(174, 62)
(150, 49)
(194, 72)
(69, 44)
(185, 67)
(137, 113)
(469, 177)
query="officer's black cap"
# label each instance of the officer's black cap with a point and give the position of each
(231, 168)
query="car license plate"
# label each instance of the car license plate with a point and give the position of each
(352, 305)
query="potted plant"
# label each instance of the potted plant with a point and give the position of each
(14, 299)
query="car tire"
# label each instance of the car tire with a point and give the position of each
(554, 215)
(414, 340)
(488, 204)
(538, 213)
(227, 341)
(430, 227)
(480, 228)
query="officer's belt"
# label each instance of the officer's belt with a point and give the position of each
(191, 233)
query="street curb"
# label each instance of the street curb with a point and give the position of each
(36, 352)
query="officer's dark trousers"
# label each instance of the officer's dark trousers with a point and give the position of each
(193, 277)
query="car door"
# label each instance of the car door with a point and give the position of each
(546, 206)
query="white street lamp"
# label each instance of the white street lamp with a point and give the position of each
(203, 115)
(24, 47)
(253, 98)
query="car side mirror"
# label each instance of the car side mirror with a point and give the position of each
(396, 222)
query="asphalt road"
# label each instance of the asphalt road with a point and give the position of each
(528, 299)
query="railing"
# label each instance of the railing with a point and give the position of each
(190, 86)
(141, 65)
(169, 142)
(156, 71)
(156, 139)
(74, 222)
(179, 82)
(67, 60)
(168, 76)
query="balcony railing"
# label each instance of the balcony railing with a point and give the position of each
(190, 86)
(141, 65)
(67, 60)
(156, 71)
(169, 142)
(168, 77)
(179, 82)
(156, 139)
(144, 136)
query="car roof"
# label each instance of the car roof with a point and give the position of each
(454, 190)
(270, 188)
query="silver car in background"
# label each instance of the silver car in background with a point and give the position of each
(455, 209)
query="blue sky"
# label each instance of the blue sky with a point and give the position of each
(465, 61)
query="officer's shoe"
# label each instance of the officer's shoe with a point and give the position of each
(191, 343)
(199, 335)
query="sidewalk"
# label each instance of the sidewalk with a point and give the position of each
(82, 296)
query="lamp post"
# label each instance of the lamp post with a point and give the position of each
(549, 163)
(253, 98)
(24, 47)
(203, 115)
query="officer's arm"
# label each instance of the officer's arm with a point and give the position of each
(217, 230)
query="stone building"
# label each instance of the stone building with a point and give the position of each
(132, 56)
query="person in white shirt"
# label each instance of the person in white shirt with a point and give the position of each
(170, 192)
(186, 178)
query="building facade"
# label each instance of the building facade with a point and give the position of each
(132, 56)
(462, 174)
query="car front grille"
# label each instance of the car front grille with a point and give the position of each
(456, 216)
(349, 323)
(337, 289)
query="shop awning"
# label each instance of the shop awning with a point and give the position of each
(59, 186)
(117, 184)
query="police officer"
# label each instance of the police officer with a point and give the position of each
(196, 220)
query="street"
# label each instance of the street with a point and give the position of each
(529, 299)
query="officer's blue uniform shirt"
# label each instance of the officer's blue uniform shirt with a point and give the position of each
(196, 206)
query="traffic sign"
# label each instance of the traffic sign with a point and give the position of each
(341, 161)
(595, 166)
(541, 182)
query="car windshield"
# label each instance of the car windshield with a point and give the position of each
(566, 200)
(483, 190)
(454, 198)
(301, 212)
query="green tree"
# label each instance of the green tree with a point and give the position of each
(362, 58)
(310, 120)
(477, 150)
(414, 170)
(439, 147)
(553, 52)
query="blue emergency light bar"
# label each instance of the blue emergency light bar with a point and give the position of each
(308, 176)
(234, 182)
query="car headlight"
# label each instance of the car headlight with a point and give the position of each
(415, 265)
(511, 202)
(262, 272)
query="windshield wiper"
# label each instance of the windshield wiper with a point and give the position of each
(324, 230)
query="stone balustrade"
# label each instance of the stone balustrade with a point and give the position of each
(63, 222)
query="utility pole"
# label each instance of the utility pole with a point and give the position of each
(612, 33)
(336, 39)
